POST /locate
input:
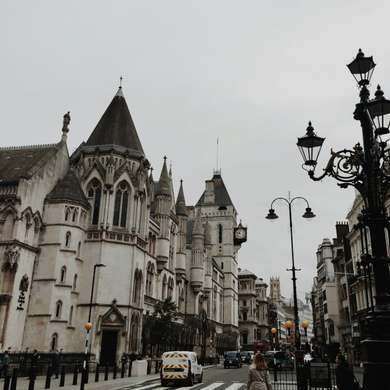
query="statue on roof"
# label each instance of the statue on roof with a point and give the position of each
(65, 123)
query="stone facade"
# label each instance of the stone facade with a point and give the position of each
(98, 217)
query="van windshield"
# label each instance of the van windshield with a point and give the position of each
(231, 355)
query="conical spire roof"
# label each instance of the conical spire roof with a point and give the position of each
(116, 127)
(163, 187)
(68, 189)
(180, 202)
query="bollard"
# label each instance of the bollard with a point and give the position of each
(14, 379)
(62, 377)
(6, 382)
(123, 369)
(82, 379)
(114, 369)
(31, 383)
(87, 373)
(97, 373)
(48, 377)
(130, 366)
(156, 369)
(75, 372)
(106, 373)
(148, 367)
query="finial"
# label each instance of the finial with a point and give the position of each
(65, 122)
(165, 159)
(120, 82)
(181, 181)
(378, 93)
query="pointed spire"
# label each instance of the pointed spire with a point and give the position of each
(171, 186)
(180, 202)
(116, 128)
(198, 226)
(163, 184)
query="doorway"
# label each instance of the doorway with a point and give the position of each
(108, 347)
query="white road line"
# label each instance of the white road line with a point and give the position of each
(235, 386)
(213, 386)
(149, 386)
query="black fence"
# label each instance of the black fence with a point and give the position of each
(314, 376)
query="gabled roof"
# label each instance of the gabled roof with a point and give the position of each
(116, 127)
(68, 189)
(221, 194)
(23, 162)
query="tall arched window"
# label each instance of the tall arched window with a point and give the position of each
(74, 286)
(181, 300)
(63, 274)
(137, 287)
(134, 333)
(75, 214)
(94, 193)
(68, 236)
(164, 288)
(121, 204)
(54, 342)
(149, 279)
(170, 288)
(58, 309)
(28, 226)
(220, 233)
(70, 315)
(78, 249)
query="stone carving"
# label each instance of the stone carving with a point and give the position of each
(11, 258)
(23, 287)
(65, 122)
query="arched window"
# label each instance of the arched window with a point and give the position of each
(149, 279)
(67, 213)
(181, 300)
(164, 288)
(134, 333)
(68, 236)
(215, 304)
(70, 315)
(170, 288)
(54, 342)
(8, 227)
(74, 286)
(137, 287)
(75, 214)
(220, 233)
(63, 274)
(58, 309)
(94, 194)
(78, 249)
(28, 226)
(121, 204)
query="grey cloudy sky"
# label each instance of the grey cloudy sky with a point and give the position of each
(250, 72)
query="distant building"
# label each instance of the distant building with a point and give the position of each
(253, 310)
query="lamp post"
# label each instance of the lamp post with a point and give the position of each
(274, 331)
(88, 326)
(272, 216)
(367, 169)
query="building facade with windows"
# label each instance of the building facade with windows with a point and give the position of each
(63, 217)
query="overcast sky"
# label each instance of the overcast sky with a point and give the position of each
(249, 72)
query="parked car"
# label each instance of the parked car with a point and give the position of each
(232, 359)
(180, 366)
(278, 359)
(246, 357)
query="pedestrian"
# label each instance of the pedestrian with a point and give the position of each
(345, 380)
(5, 364)
(34, 362)
(258, 375)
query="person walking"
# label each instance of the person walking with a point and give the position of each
(55, 363)
(345, 380)
(258, 375)
(5, 364)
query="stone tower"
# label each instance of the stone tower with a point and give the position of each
(274, 292)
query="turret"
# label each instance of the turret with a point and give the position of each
(208, 268)
(162, 215)
(197, 255)
(181, 213)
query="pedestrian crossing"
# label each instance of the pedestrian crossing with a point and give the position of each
(198, 386)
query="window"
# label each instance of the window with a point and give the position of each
(28, 226)
(94, 194)
(70, 316)
(221, 264)
(121, 204)
(149, 279)
(78, 249)
(164, 288)
(170, 288)
(74, 286)
(67, 213)
(58, 309)
(220, 233)
(54, 342)
(244, 316)
(67, 239)
(245, 338)
(137, 286)
(63, 274)
(74, 216)
(244, 302)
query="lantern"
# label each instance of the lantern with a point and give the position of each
(310, 147)
(378, 109)
(362, 68)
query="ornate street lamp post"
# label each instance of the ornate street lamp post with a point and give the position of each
(367, 169)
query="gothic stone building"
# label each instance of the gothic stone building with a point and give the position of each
(62, 217)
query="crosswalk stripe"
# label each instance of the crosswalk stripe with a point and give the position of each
(235, 386)
(213, 386)
(149, 386)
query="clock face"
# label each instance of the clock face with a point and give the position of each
(240, 233)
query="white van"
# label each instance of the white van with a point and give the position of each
(179, 366)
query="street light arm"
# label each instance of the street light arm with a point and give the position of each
(300, 197)
(279, 198)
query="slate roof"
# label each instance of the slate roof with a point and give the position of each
(116, 127)
(245, 272)
(68, 189)
(222, 197)
(23, 162)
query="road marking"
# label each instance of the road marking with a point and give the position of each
(235, 386)
(213, 386)
(149, 386)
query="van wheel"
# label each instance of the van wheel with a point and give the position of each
(190, 381)
(164, 382)
(200, 378)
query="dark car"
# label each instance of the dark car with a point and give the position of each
(232, 359)
(246, 357)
